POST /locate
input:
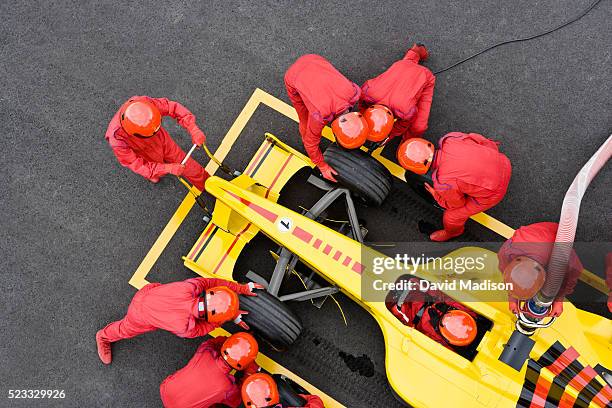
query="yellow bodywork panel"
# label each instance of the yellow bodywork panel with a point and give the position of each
(417, 367)
(216, 250)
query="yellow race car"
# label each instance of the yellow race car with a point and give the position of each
(567, 364)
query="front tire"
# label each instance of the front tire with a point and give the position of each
(362, 174)
(271, 319)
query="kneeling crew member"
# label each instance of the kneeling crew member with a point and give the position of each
(190, 308)
(469, 173)
(524, 258)
(406, 89)
(207, 380)
(141, 144)
(260, 391)
(321, 95)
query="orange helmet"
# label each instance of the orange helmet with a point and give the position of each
(350, 129)
(259, 391)
(526, 276)
(458, 327)
(140, 118)
(416, 154)
(380, 122)
(240, 350)
(221, 304)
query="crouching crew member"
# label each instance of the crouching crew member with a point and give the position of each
(438, 316)
(523, 260)
(190, 308)
(406, 90)
(141, 144)
(469, 173)
(260, 391)
(321, 95)
(207, 380)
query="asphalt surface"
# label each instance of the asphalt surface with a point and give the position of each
(75, 225)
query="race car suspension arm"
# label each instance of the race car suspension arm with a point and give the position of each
(287, 260)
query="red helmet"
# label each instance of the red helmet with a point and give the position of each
(458, 327)
(380, 122)
(416, 154)
(221, 304)
(140, 118)
(526, 276)
(350, 129)
(259, 391)
(240, 350)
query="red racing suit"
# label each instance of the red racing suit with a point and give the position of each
(423, 311)
(151, 157)
(406, 88)
(536, 241)
(318, 92)
(204, 381)
(470, 175)
(171, 306)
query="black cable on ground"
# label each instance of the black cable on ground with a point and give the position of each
(568, 22)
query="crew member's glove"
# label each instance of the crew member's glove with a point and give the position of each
(431, 191)
(198, 137)
(247, 289)
(421, 50)
(175, 168)
(557, 308)
(328, 172)
(238, 320)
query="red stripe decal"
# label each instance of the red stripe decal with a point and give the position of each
(567, 400)
(278, 174)
(582, 379)
(602, 397)
(230, 248)
(317, 243)
(327, 249)
(337, 255)
(347, 261)
(357, 267)
(301, 234)
(262, 149)
(270, 216)
(540, 393)
(607, 392)
(196, 249)
(565, 359)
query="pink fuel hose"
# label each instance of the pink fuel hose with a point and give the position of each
(568, 221)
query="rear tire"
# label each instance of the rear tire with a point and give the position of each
(289, 391)
(360, 173)
(271, 319)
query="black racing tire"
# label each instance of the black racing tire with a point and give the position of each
(271, 319)
(362, 174)
(289, 391)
